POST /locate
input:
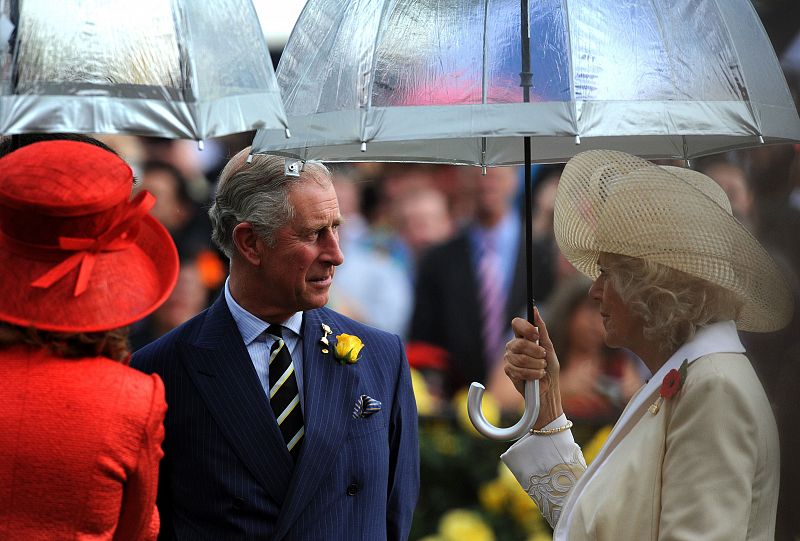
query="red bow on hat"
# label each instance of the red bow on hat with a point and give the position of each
(118, 237)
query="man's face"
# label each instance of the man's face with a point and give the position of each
(298, 269)
(495, 191)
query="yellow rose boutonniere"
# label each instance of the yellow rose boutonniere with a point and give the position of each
(347, 348)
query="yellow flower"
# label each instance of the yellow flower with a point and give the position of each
(520, 505)
(463, 525)
(490, 407)
(591, 449)
(425, 401)
(493, 496)
(540, 535)
(347, 348)
(524, 509)
(444, 440)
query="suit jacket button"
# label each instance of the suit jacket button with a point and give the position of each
(352, 489)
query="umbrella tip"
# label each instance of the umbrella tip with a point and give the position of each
(200, 144)
(249, 158)
(287, 133)
(761, 139)
(577, 139)
(363, 146)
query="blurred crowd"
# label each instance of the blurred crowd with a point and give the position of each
(435, 254)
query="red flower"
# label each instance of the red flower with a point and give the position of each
(422, 356)
(673, 381)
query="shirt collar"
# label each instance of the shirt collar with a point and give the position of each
(251, 327)
(501, 231)
(719, 337)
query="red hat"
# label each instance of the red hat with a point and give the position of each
(76, 253)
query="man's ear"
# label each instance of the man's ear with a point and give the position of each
(247, 242)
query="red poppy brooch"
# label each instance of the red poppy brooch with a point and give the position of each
(670, 385)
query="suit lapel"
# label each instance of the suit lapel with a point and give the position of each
(627, 424)
(223, 373)
(330, 393)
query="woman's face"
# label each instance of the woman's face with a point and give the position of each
(623, 328)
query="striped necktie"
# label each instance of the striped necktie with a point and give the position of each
(284, 396)
(492, 297)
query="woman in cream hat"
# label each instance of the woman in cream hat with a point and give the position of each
(80, 432)
(695, 453)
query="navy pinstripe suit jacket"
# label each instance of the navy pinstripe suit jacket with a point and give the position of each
(226, 473)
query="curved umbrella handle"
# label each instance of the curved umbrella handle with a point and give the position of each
(474, 399)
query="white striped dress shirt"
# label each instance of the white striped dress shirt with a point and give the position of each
(258, 343)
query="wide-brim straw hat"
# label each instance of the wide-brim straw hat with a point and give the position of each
(77, 254)
(614, 202)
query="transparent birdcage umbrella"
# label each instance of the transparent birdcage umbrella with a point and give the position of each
(506, 82)
(190, 69)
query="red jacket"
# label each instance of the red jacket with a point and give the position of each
(80, 442)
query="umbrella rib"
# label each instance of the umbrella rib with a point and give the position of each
(668, 50)
(573, 98)
(748, 101)
(483, 74)
(485, 50)
(371, 85)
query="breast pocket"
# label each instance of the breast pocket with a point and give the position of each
(361, 427)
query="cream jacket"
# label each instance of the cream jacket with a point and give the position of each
(704, 466)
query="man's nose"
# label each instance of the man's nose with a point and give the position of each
(332, 251)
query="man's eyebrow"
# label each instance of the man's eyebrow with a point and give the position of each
(338, 221)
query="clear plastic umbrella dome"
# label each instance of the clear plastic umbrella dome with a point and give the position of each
(190, 69)
(425, 81)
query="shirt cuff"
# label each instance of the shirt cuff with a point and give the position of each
(537, 454)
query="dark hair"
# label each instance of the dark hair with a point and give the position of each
(181, 184)
(569, 294)
(17, 141)
(112, 344)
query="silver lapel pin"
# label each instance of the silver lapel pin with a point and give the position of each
(324, 340)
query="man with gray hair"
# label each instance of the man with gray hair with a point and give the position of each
(286, 420)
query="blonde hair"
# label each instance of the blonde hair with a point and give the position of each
(671, 303)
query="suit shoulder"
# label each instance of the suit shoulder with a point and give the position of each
(445, 251)
(186, 332)
(726, 378)
(724, 370)
(130, 393)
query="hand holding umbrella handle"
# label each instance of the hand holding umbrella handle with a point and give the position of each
(474, 399)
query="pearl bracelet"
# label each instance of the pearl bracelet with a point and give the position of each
(551, 431)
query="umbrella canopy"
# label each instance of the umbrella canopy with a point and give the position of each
(438, 81)
(178, 69)
(467, 81)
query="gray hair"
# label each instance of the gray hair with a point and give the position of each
(671, 303)
(257, 193)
